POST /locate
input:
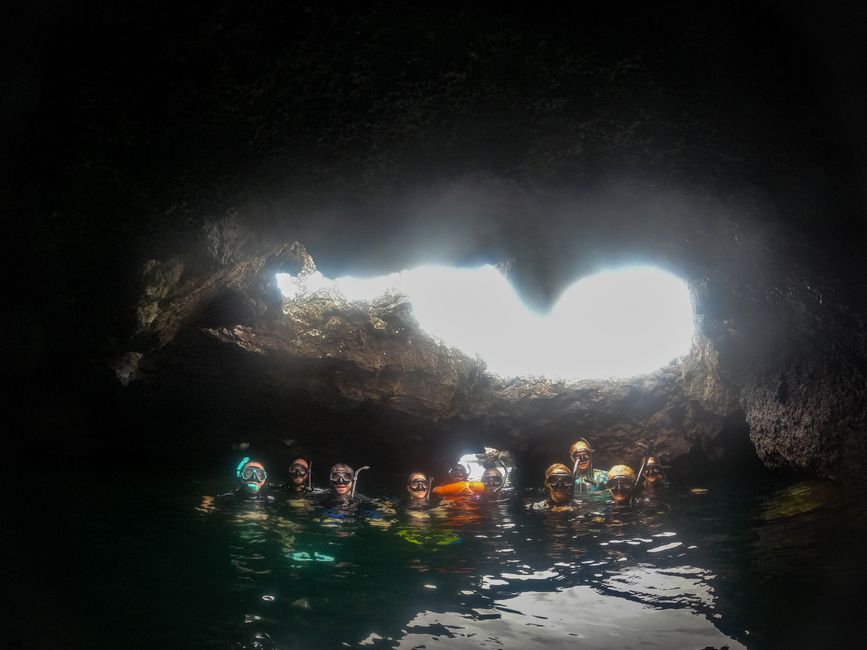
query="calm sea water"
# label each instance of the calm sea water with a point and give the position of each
(139, 562)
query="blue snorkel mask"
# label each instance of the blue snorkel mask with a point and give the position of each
(253, 478)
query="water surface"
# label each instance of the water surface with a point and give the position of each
(157, 562)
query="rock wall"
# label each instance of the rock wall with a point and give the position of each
(341, 355)
(763, 356)
(806, 405)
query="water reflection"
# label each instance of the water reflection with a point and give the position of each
(755, 565)
(809, 505)
(565, 617)
(670, 571)
(496, 558)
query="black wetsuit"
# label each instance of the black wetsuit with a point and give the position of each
(305, 492)
(240, 495)
(335, 501)
(571, 504)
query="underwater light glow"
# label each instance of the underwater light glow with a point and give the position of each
(617, 323)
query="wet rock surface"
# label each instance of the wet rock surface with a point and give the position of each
(340, 355)
(806, 408)
(759, 365)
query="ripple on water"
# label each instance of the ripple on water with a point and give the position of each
(247, 576)
(547, 619)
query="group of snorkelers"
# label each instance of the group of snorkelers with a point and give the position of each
(561, 484)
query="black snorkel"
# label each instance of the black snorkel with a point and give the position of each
(355, 481)
(647, 454)
(430, 481)
(310, 475)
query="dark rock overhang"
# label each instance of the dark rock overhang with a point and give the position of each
(225, 329)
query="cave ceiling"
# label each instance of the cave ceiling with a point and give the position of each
(163, 167)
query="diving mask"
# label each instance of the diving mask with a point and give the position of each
(340, 477)
(560, 481)
(620, 485)
(254, 473)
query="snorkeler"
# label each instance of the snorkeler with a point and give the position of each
(252, 475)
(559, 484)
(492, 479)
(301, 478)
(621, 484)
(587, 479)
(458, 473)
(252, 479)
(418, 486)
(652, 477)
(299, 488)
(459, 485)
(343, 480)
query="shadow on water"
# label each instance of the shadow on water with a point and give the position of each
(151, 564)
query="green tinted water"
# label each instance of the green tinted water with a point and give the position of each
(157, 563)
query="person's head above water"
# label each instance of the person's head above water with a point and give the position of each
(341, 478)
(581, 454)
(621, 482)
(558, 484)
(299, 473)
(458, 473)
(652, 471)
(492, 478)
(252, 475)
(417, 486)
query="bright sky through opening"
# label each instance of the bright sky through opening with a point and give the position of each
(617, 323)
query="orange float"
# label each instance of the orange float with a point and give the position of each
(460, 488)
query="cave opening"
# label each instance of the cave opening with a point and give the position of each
(616, 323)
(403, 367)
